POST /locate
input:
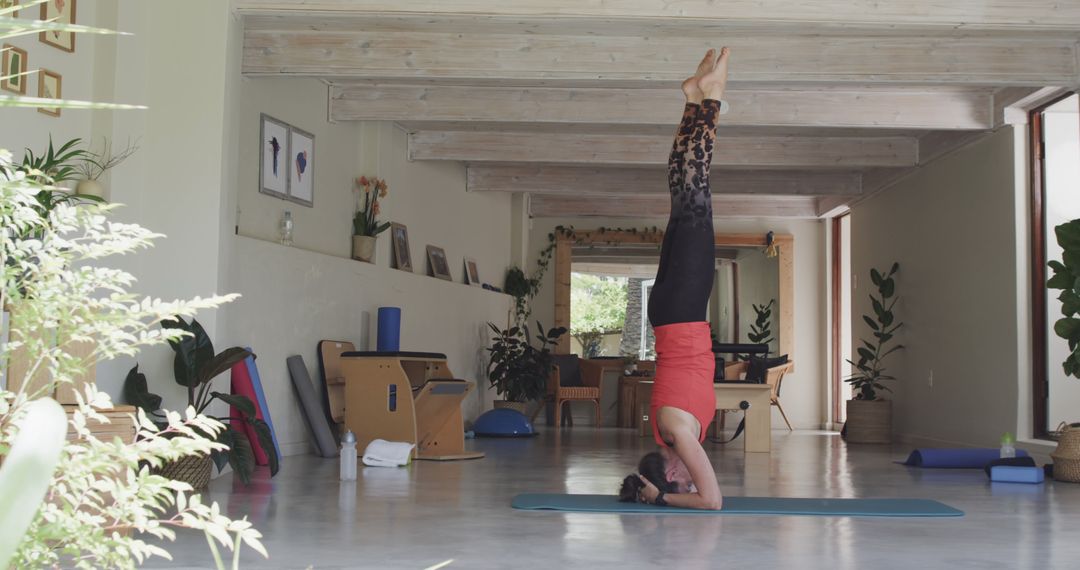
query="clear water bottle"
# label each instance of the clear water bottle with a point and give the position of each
(286, 228)
(1008, 448)
(348, 456)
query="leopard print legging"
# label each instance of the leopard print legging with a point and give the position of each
(684, 279)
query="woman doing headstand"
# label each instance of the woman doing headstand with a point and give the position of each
(683, 400)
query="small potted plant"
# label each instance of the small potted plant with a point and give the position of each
(518, 370)
(869, 416)
(94, 165)
(366, 226)
(195, 366)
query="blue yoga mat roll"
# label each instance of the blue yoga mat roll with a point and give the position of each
(969, 458)
(389, 337)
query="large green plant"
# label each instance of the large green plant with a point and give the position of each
(103, 508)
(761, 330)
(1066, 278)
(195, 365)
(517, 369)
(869, 376)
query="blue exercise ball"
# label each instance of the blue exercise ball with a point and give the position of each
(503, 422)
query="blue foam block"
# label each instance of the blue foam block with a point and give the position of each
(1009, 474)
(744, 506)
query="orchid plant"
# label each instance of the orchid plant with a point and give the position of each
(364, 221)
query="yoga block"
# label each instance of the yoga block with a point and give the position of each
(1008, 474)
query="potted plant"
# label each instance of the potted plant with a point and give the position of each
(518, 370)
(366, 226)
(761, 330)
(1066, 278)
(94, 165)
(195, 366)
(869, 416)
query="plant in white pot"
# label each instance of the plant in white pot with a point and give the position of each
(366, 226)
(94, 165)
(869, 416)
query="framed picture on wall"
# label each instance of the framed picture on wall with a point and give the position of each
(472, 274)
(439, 267)
(301, 167)
(273, 161)
(14, 65)
(399, 236)
(49, 84)
(9, 5)
(60, 12)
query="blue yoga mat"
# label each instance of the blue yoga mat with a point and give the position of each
(969, 458)
(260, 395)
(744, 506)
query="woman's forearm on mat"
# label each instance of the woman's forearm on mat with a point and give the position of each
(694, 501)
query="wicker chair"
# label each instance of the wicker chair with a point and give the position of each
(572, 379)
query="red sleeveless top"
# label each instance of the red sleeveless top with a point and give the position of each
(684, 374)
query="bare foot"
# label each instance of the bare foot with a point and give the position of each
(690, 87)
(713, 83)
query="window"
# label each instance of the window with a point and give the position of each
(1055, 135)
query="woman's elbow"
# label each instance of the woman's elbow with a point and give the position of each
(713, 504)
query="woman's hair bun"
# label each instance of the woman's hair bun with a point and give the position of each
(631, 487)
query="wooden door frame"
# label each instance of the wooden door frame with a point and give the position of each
(784, 242)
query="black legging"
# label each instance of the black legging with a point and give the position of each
(684, 279)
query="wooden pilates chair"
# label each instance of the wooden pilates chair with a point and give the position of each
(572, 379)
(774, 377)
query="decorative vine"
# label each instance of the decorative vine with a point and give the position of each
(523, 288)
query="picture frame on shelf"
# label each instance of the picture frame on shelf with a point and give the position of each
(50, 86)
(399, 239)
(273, 160)
(5, 4)
(61, 12)
(301, 167)
(14, 69)
(472, 273)
(437, 259)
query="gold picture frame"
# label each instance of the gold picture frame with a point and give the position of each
(4, 4)
(440, 268)
(50, 86)
(14, 69)
(60, 12)
(399, 240)
(472, 272)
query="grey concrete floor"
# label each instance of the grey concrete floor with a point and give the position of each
(428, 513)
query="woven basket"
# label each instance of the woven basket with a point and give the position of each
(1067, 456)
(193, 470)
(869, 421)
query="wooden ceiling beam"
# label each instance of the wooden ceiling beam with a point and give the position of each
(463, 56)
(957, 14)
(577, 180)
(746, 152)
(893, 108)
(659, 207)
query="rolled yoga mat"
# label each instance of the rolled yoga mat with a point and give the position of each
(309, 403)
(969, 458)
(744, 506)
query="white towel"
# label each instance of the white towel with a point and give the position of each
(382, 453)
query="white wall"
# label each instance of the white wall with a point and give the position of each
(951, 226)
(22, 128)
(295, 296)
(804, 390)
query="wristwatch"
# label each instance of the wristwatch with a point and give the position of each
(660, 500)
